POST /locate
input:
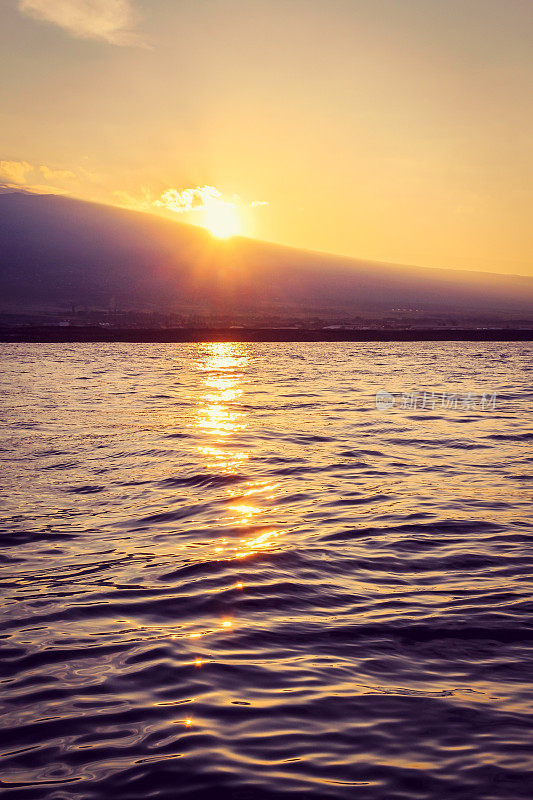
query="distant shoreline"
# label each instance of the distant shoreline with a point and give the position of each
(58, 334)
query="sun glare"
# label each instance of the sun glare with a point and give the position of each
(222, 219)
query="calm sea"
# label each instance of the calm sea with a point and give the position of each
(227, 574)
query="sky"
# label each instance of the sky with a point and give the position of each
(390, 130)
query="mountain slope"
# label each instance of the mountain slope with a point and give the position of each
(55, 250)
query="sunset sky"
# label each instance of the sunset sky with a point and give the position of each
(393, 130)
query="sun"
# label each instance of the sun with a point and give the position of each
(222, 219)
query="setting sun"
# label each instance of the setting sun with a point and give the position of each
(222, 219)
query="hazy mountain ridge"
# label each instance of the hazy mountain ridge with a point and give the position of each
(55, 249)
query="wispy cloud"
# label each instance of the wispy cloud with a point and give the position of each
(21, 176)
(112, 21)
(136, 203)
(15, 172)
(56, 174)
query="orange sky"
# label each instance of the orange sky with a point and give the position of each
(394, 130)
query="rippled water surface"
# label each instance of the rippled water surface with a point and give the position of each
(226, 574)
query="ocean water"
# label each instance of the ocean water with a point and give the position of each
(227, 574)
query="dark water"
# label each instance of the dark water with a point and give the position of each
(227, 574)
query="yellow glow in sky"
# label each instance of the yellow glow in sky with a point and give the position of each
(396, 131)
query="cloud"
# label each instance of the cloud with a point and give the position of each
(188, 199)
(15, 172)
(108, 20)
(56, 174)
(128, 200)
(197, 198)
(14, 175)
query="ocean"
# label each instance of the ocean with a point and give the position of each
(267, 570)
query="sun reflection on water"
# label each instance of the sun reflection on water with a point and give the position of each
(245, 502)
(222, 421)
